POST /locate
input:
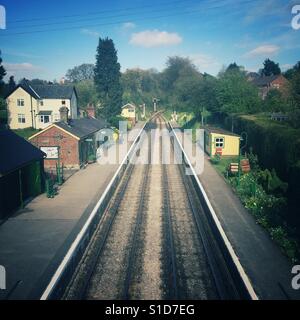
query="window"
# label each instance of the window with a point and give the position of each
(63, 102)
(20, 102)
(41, 103)
(21, 118)
(219, 142)
(44, 119)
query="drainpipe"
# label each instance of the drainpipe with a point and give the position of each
(31, 112)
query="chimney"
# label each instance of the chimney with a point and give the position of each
(90, 109)
(64, 114)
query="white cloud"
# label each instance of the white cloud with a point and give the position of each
(205, 63)
(90, 32)
(155, 38)
(25, 66)
(286, 66)
(128, 25)
(264, 50)
(23, 70)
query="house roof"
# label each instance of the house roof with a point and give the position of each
(82, 127)
(220, 131)
(252, 75)
(79, 128)
(129, 105)
(265, 80)
(47, 91)
(16, 152)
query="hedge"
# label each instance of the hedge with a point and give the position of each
(277, 146)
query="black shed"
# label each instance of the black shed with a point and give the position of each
(21, 171)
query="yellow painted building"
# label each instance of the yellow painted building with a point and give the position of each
(129, 112)
(222, 142)
(38, 106)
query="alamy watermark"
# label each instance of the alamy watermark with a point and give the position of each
(296, 278)
(295, 23)
(2, 17)
(2, 278)
(155, 146)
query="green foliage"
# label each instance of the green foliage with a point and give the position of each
(87, 93)
(2, 75)
(11, 83)
(107, 79)
(289, 246)
(258, 191)
(271, 182)
(114, 121)
(237, 95)
(81, 73)
(3, 112)
(270, 68)
(215, 159)
(140, 86)
(275, 102)
(26, 133)
(276, 144)
(290, 73)
(253, 160)
(267, 210)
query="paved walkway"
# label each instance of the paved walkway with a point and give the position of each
(268, 269)
(34, 240)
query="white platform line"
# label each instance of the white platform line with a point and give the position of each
(56, 277)
(231, 251)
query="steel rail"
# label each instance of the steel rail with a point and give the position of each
(171, 253)
(137, 228)
(78, 244)
(245, 281)
(113, 210)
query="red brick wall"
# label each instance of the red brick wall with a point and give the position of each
(281, 81)
(69, 154)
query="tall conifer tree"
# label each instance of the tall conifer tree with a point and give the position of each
(107, 79)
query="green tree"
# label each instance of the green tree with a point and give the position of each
(107, 78)
(176, 67)
(275, 102)
(290, 73)
(11, 83)
(293, 76)
(233, 67)
(2, 75)
(237, 95)
(87, 93)
(270, 68)
(3, 112)
(80, 73)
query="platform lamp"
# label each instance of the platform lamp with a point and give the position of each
(243, 144)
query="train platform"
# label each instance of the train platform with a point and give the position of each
(35, 239)
(268, 269)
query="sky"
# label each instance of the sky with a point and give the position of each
(43, 39)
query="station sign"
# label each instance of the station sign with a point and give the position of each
(51, 152)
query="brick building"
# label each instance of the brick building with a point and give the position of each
(267, 83)
(71, 143)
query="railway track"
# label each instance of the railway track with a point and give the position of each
(154, 240)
